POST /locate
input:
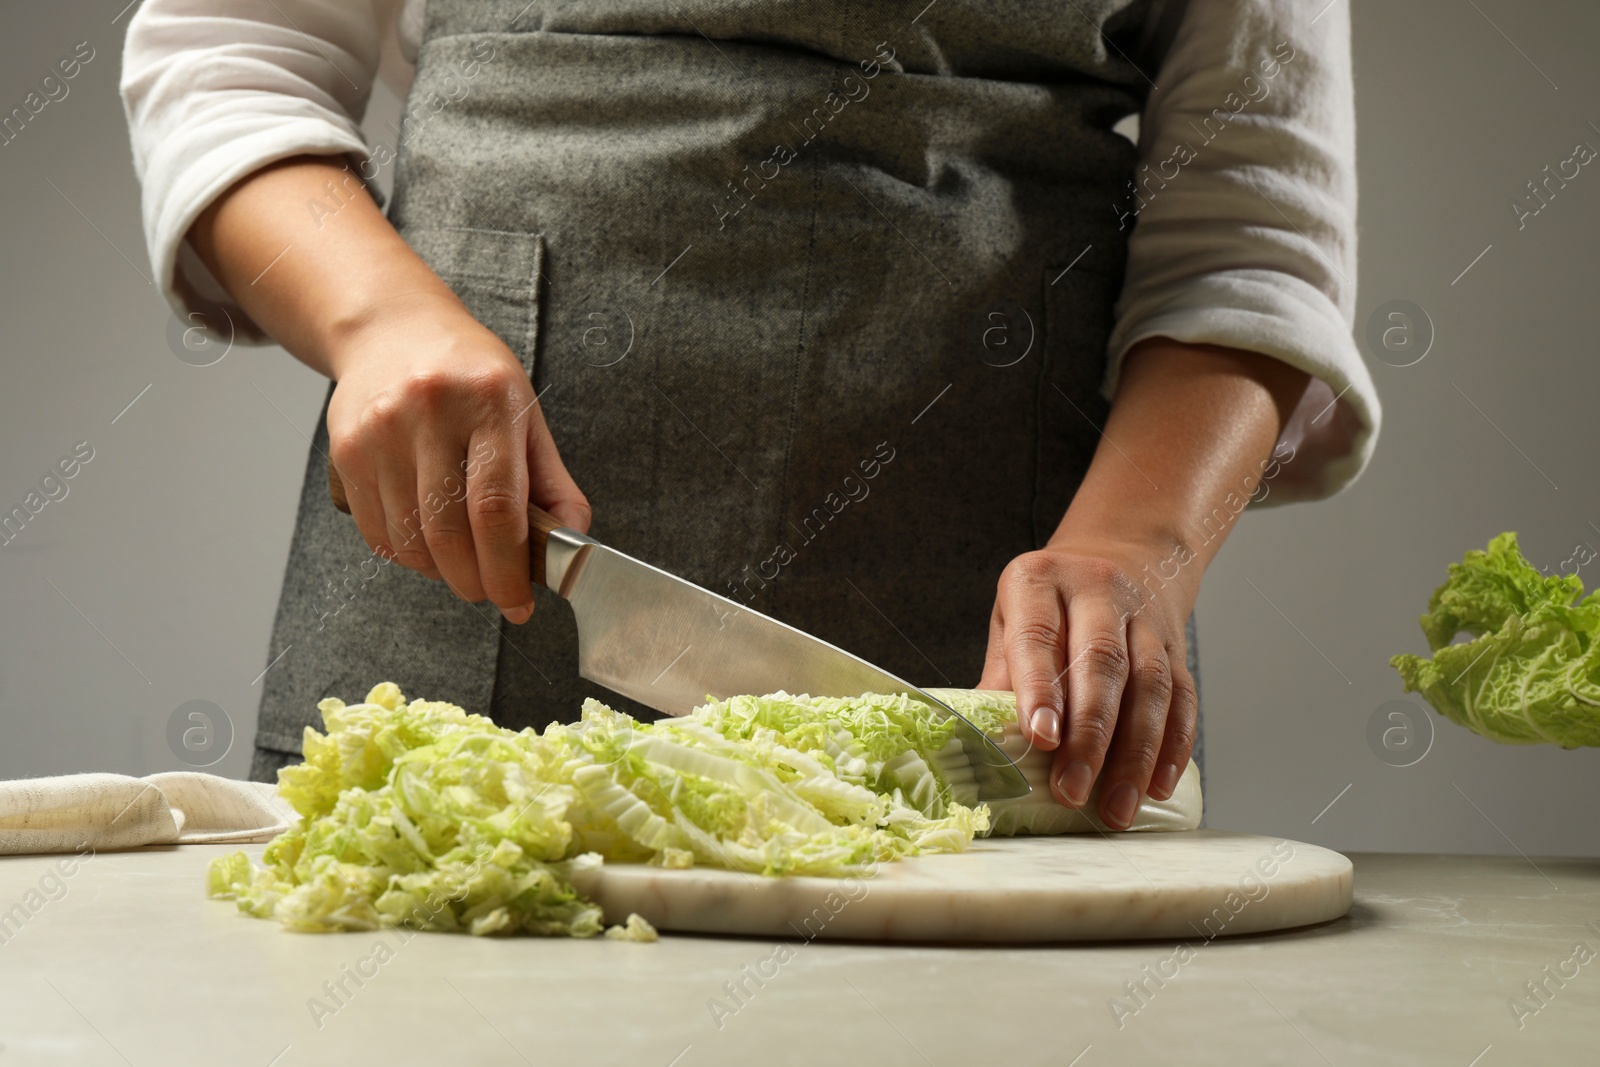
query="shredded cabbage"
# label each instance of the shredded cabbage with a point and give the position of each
(423, 815)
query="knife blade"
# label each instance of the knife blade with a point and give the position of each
(670, 644)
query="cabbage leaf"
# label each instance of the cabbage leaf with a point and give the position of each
(1529, 671)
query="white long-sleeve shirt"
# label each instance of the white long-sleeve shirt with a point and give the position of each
(1244, 197)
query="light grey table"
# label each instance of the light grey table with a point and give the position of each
(126, 962)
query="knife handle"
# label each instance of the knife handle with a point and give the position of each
(540, 523)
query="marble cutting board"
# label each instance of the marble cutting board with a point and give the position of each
(1195, 884)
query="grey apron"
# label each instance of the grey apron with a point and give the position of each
(815, 296)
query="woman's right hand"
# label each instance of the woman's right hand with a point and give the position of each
(434, 427)
(435, 430)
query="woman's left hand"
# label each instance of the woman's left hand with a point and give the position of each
(1090, 636)
(1089, 630)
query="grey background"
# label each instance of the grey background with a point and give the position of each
(154, 581)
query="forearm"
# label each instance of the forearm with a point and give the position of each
(1189, 440)
(313, 277)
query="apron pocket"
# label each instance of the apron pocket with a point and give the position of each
(496, 274)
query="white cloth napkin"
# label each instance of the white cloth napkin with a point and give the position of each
(110, 811)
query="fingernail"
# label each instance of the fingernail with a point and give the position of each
(1046, 725)
(1073, 782)
(1164, 781)
(518, 616)
(1121, 804)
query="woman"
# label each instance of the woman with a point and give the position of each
(863, 315)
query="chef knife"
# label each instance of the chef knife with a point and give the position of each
(669, 644)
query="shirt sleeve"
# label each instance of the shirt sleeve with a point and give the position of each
(213, 92)
(1243, 215)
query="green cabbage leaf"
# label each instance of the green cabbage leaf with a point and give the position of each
(1529, 670)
